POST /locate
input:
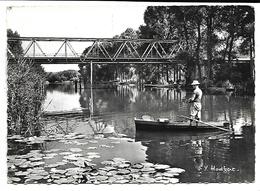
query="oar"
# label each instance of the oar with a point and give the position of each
(204, 123)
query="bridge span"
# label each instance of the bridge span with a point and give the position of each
(62, 50)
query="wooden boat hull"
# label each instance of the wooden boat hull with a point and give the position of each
(142, 124)
(169, 136)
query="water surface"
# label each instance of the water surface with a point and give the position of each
(206, 157)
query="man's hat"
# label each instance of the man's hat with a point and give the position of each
(195, 82)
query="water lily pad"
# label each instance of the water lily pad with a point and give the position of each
(75, 150)
(15, 179)
(37, 163)
(101, 178)
(122, 181)
(161, 166)
(170, 175)
(116, 159)
(102, 172)
(123, 172)
(134, 170)
(175, 170)
(49, 180)
(52, 151)
(107, 162)
(50, 156)
(65, 153)
(19, 162)
(106, 146)
(93, 156)
(163, 181)
(56, 176)
(71, 157)
(35, 177)
(111, 180)
(137, 166)
(79, 143)
(111, 173)
(35, 159)
(25, 164)
(115, 142)
(61, 181)
(157, 178)
(35, 151)
(147, 180)
(174, 180)
(92, 153)
(38, 171)
(148, 169)
(92, 148)
(147, 164)
(108, 168)
(124, 165)
(93, 141)
(58, 171)
(79, 163)
(84, 159)
(94, 172)
(140, 181)
(21, 173)
(29, 155)
(52, 165)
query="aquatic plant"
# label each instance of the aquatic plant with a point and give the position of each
(25, 94)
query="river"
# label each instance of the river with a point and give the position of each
(110, 142)
(205, 157)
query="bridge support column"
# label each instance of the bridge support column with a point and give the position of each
(76, 85)
(91, 89)
(80, 85)
(91, 73)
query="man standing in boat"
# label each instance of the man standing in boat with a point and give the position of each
(195, 100)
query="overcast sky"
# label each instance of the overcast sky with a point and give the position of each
(93, 20)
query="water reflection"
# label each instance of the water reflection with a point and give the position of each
(61, 97)
(206, 157)
(155, 102)
(118, 107)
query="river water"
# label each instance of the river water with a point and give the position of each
(206, 157)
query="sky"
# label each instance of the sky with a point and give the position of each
(88, 21)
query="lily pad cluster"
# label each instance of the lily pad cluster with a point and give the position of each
(119, 170)
(43, 138)
(73, 166)
(115, 171)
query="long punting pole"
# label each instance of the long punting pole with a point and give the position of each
(182, 116)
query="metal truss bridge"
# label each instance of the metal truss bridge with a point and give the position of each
(59, 50)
